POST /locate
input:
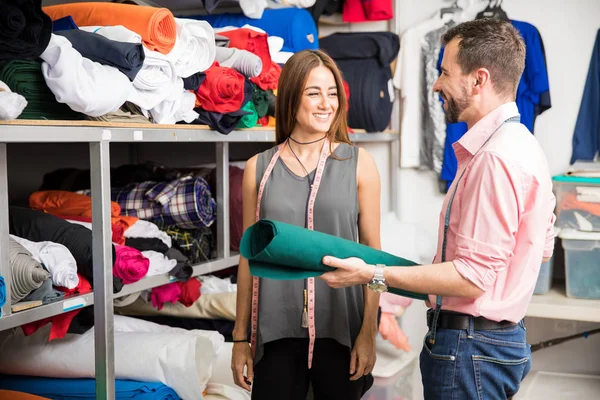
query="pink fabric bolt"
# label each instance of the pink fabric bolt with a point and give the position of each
(131, 265)
(169, 293)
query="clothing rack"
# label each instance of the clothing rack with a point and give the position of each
(99, 136)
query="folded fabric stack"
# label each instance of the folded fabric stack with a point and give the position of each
(168, 70)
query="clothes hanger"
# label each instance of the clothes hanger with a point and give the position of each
(494, 11)
(453, 9)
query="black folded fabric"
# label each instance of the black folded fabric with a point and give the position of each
(126, 57)
(366, 68)
(24, 29)
(272, 98)
(222, 123)
(193, 82)
(38, 226)
(183, 270)
(145, 244)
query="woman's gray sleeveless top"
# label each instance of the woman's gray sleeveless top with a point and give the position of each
(338, 312)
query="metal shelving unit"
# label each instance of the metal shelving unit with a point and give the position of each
(99, 136)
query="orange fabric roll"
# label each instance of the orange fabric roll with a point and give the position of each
(12, 395)
(155, 25)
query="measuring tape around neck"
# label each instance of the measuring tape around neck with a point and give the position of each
(310, 225)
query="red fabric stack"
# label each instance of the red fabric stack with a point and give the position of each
(368, 10)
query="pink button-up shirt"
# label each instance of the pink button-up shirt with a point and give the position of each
(501, 219)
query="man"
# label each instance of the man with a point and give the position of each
(495, 226)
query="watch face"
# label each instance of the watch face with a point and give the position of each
(378, 287)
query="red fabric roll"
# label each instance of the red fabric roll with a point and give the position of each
(131, 265)
(269, 79)
(190, 291)
(222, 91)
(367, 10)
(169, 293)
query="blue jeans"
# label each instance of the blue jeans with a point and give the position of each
(473, 364)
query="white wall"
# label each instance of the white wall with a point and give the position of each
(568, 29)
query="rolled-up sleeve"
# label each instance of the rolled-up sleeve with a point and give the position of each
(550, 234)
(490, 206)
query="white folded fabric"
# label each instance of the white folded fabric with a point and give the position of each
(57, 259)
(144, 351)
(243, 61)
(159, 263)
(194, 49)
(275, 43)
(147, 229)
(177, 107)
(155, 82)
(11, 104)
(213, 284)
(253, 8)
(221, 381)
(84, 85)
(117, 33)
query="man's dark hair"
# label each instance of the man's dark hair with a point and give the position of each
(492, 44)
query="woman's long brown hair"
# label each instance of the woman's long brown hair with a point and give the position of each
(291, 87)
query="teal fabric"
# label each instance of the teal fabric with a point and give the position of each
(276, 250)
(576, 179)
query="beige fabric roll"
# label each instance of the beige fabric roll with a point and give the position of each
(208, 306)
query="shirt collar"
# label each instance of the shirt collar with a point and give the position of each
(475, 137)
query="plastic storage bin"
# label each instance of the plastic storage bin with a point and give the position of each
(544, 280)
(577, 202)
(582, 263)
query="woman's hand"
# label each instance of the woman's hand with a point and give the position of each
(242, 357)
(363, 356)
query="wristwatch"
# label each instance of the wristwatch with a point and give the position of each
(378, 283)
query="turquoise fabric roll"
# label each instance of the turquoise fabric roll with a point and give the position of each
(2, 294)
(276, 250)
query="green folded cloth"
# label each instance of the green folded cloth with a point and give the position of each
(248, 120)
(260, 99)
(276, 250)
(25, 78)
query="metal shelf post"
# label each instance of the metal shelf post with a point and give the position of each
(5, 270)
(222, 150)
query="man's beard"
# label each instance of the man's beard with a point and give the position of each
(456, 107)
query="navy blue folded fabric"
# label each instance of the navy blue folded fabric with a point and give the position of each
(193, 82)
(126, 57)
(295, 25)
(82, 389)
(64, 24)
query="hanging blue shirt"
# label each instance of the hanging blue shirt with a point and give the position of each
(586, 138)
(533, 95)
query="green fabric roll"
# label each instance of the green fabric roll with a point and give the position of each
(25, 78)
(248, 120)
(276, 250)
(260, 99)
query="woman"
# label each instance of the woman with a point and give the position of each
(330, 346)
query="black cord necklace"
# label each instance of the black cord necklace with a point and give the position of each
(314, 141)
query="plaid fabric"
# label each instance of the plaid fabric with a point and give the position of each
(195, 244)
(185, 202)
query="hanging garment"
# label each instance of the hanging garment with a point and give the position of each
(367, 10)
(366, 67)
(24, 29)
(38, 226)
(81, 83)
(155, 25)
(11, 104)
(586, 137)
(27, 274)
(126, 57)
(84, 389)
(26, 79)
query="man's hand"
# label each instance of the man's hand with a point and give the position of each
(363, 356)
(349, 272)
